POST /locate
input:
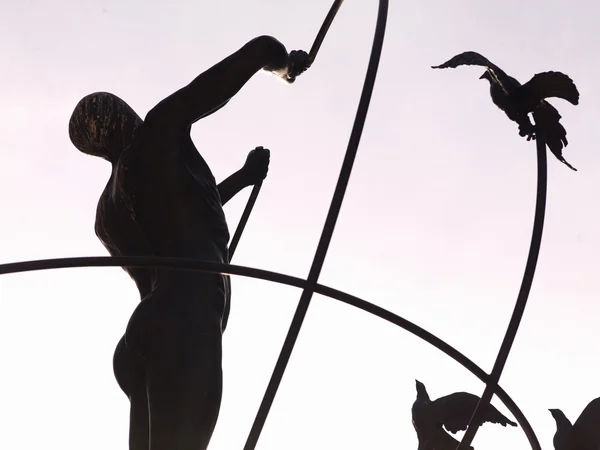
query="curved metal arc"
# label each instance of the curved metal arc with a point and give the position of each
(328, 228)
(440, 345)
(324, 29)
(310, 285)
(192, 264)
(515, 320)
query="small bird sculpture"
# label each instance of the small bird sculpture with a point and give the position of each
(518, 100)
(452, 412)
(584, 434)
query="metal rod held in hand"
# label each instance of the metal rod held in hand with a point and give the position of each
(312, 55)
(323, 31)
(244, 219)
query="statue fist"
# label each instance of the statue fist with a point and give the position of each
(298, 62)
(257, 165)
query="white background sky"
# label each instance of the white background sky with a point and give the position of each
(435, 226)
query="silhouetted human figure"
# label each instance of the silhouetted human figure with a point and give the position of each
(452, 412)
(517, 100)
(584, 434)
(162, 200)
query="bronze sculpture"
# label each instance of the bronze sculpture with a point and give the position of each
(431, 418)
(584, 434)
(162, 200)
(518, 100)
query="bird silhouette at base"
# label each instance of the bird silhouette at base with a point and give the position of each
(584, 434)
(518, 100)
(452, 412)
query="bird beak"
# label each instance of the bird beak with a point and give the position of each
(483, 76)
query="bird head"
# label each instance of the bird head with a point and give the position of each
(556, 413)
(564, 429)
(486, 76)
(559, 416)
(422, 394)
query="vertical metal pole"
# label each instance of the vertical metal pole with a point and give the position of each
(244, 219)
(513, 326)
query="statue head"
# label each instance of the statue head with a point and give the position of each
(103, 125)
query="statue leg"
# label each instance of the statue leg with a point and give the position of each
(184, 386)
(212, 89)
(129, 373)
(175, 334)
(139, 418)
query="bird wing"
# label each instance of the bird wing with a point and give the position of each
(548, 126)
(455, 411)
(549, 84)
(471, 58)
(586, 431)
(467, 59)
(443, 441)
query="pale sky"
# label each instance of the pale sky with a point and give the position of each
(435, 226)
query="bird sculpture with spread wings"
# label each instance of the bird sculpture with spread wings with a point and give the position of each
(452, 412)
(584, 434)
(518, 100)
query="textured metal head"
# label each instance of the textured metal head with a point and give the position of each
(103, 125)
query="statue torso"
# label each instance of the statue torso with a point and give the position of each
(162, 200)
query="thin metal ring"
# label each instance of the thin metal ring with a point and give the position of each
(249, 272)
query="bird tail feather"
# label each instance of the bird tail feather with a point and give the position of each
(548, 126)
